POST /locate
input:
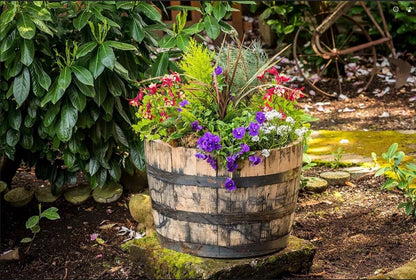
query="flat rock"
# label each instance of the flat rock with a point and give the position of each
(406, 271)
(44, 194)
(358, 171)
(316, 184)
(3, 186)
(335, 178)
(162, 263)
(18, 197)
(108, 193)
(11, 255)
(78, 194)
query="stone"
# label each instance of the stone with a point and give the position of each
(358, 171)
(44, 194)
(135, 183)
(18, 197)
(316, 185)
(162, 263)
(3, 186)
(11, 255)
(78, 194)
(336, 178)
(140, 207)
(108, 193)
(406, 271)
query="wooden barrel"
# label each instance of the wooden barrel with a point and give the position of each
(195, 214)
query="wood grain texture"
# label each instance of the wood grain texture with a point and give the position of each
(191, 207)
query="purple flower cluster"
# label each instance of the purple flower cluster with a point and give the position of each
(218, 70)
(239, 132)
(196, 126)
(229, 184)
(209, 142)
(254, 160)
(231, 164)
(208, 158)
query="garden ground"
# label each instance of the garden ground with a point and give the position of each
(357, 229)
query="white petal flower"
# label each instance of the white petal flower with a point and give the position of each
(255, 138)
(265, 153)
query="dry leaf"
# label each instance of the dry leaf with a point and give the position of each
(107, 226)
(114, 269)
(89, 209)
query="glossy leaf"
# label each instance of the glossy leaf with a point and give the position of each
(32, 221)
(212, 27)
(120, 45)
(51, 114)
(12, 137)
(43, 78)
(78, 100)
(27, 141)
(69, 116)
(136, 29)
(50, 213)
(21, 87)
(101, 91)
(93, 166)
(42, 26)
(125, 5)
(119, 135)
(149, 11)
(83, 75)
(115, 170)
(160, 67)
(6, 17)
(82, 19)
(96, 67)
(219, 10)
(182, 42)
(69, 159)
(15, 118)
(167, 42)
(27, 52)
(85, 49)
(26, 27)
(85, 90)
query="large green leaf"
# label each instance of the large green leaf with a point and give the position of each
(51, 114)
(12, 137)
(79, 101)
(126, 5)
(82, 19)
(26, 27)
(115, 170)
(182, 42)
(9, 42)
(69, 159)
(93, 166)
(115, 85)
(160, 67)
(15, 118)
(119, 135)
(6, 17)
(137, 154)
(83, 75)
(106, 56)
(96, 67)
(101, 177)
(42, 26)
(27, 52)
(101, 91)
(64, 80)
(27, 141)
(136, 29)
(120, 45)
(85, 90)
(212, 27)
(69, 116)
(38, 12)
(85, 49)
(149, 11)
(219, 10)
(32, 221)
(167, 42)
(43, 78)
(108, 106)
(21, 87)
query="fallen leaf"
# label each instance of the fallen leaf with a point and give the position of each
(114, 269)
(89, 209)
(350, 184)
(107, 226)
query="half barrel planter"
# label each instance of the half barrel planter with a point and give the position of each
(195, 214)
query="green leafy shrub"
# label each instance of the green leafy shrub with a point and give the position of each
(67, 69)
(399, 177)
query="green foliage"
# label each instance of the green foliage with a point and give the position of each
(337, 158)
(196, 62)
(33, 222)
(399, 177)
(67, 69)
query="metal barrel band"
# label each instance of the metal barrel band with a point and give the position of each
(217, 182)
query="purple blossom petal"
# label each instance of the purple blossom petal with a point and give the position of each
(253, 129)
(183, 103)
(254, 160)
(231, 163)
(195, 126)
(218, 70)
(212, 162)
(229, 184)
(260, 117)
(201, 156)
(239, 132)
(244, 148)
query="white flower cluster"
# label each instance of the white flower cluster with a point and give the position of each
(301, 131)
(265, 153)
(283, 130)
(273, 114)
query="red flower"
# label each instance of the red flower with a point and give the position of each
(273, 71)
(261, 77)
(152, 88)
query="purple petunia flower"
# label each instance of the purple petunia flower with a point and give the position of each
(244, 148)
(229, 184)
(260, 117)
(195, 126)
(218, 70)
(231, 163)
(239, 132)
(209, 142)
(254, 160)
(212, 162)
(184, 103)
(253, 129)
(201, 156)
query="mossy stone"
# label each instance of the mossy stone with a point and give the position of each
(358, 171)
(140, 207)
(18, 197)
(406, 271)
(78, 194)
(44, 194)
(316, 184)
(336, 178)
(3, 186)
(108, 193)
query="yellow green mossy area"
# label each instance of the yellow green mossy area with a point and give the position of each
(361, 143)
(162, 263)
